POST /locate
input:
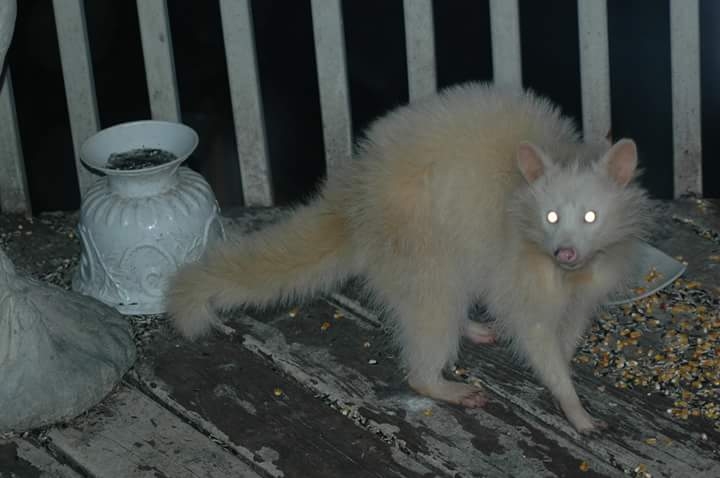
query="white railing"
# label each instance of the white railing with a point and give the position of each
(333, 85)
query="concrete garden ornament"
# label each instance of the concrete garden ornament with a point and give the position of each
(146, 217)
(60, 352)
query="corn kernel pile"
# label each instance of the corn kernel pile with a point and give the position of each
(667, 343)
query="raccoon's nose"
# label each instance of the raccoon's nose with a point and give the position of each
(566, 254)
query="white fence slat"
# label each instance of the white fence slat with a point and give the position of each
(685, 57)
(505, 36)
(594, 68)
(246, 101)
(14, 196)
(159, 62)
(78, 78)
(332, 80)
(420, 46)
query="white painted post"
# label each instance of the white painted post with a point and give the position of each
(685, 57)
(420, 48)
(246, 101)
(332, 80)
(14, 195)
(13, 185)
(505, 36)
(158, 56)
(78, 78)
(594, 68)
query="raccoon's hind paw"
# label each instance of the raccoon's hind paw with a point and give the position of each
(452, 392)
(480, 333)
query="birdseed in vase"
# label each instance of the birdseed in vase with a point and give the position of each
(139, 159)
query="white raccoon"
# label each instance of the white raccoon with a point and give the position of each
(475, 193)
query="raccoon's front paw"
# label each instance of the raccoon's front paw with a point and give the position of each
(587, 425)
(225, 329)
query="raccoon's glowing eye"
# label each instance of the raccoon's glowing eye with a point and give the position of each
(590, 217)
(552, 217)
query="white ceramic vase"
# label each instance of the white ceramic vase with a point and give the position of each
(138, 226)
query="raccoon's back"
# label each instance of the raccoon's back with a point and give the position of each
(452, 156)
(474, 122)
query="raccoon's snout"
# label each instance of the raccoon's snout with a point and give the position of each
(566, 255)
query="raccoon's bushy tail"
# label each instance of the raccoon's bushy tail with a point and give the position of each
(304, 254)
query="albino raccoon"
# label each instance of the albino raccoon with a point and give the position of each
(475, 193)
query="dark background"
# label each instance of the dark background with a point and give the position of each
(639, 61)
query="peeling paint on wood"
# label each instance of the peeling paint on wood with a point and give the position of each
(496, 441)
(284, 429)
(131, 435)
(36, 462)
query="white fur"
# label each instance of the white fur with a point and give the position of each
(435, 213)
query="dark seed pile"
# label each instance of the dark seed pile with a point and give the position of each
(139, 159)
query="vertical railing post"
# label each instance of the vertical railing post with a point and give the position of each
(686, 117)
(158, 56)
(594, 68)
(78, 78)
(332, 80)
(246, 100)
(420, 47)
(505, 37)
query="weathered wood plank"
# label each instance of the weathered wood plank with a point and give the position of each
(332, 80)
(692, 232)
(686, 118)
(514, 386)
(21, 459)
(350, 365)
(633, 415)
(14, 193)
(159, 62)
(420, 47)
(78, 78)
(131, 435)
(594, 68)
(263, 415)
(701, 215)
(505, 35)
(246, 101)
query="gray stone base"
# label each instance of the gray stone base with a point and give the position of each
(60, 352)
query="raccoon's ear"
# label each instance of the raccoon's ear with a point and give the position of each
(531, 161)
(620, 161)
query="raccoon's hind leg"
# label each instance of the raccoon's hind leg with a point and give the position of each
(430, 311)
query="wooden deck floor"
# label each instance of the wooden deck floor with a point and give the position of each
(315, 391)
